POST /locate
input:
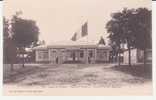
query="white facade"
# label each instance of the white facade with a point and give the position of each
(42, 55)
(83, 53)
(137, 56)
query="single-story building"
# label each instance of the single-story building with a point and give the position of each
(137, 56)
(85, 52)
(72, 51)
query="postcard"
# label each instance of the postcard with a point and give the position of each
(77, 47)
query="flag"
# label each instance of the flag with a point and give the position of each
(81, 32)
(74, 37)
(84, 28)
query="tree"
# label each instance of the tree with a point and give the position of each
(116, 36)
(10, 51)
(5, 29)
(115, 43)
(133, 27)
(5, 39)
(129, 38)
(9, 48)
(143, 29)
(25, 33)
(115, 52)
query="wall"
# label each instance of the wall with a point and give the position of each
(102, 55)
(61, 55)
(42, 56)
(133, 56)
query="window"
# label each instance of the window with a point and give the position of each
(54, 51)
(39, 56)
(71, 54)
(81, 54)
(104, 54)
(90, 54)
(43, 55)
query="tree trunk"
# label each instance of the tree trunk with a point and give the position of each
(116, 58)
(129, 55)
(12, 66)
(144, 57)
(23, 60)
(119, 59)
(119, 56)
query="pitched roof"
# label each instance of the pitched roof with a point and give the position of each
(83, 42)
(102, 41)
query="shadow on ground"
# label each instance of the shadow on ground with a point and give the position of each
(138, 70)
(17, 75)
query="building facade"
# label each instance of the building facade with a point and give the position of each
(86, 53)
(73, 53)
(137, 56)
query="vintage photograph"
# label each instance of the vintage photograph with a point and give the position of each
(53, 44)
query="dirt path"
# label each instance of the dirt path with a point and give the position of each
(73, 75)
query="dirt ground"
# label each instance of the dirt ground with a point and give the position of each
(73, 75)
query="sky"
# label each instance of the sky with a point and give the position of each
(59, 19)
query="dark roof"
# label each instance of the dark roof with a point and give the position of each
(102, 41)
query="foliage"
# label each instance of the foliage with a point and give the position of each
(19, 33)
(25, 32)
(9, 48)
(131, 27)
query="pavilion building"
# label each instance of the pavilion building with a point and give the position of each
(73, 52)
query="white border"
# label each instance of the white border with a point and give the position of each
(85, 98)
(154, 45)
(1, 45)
